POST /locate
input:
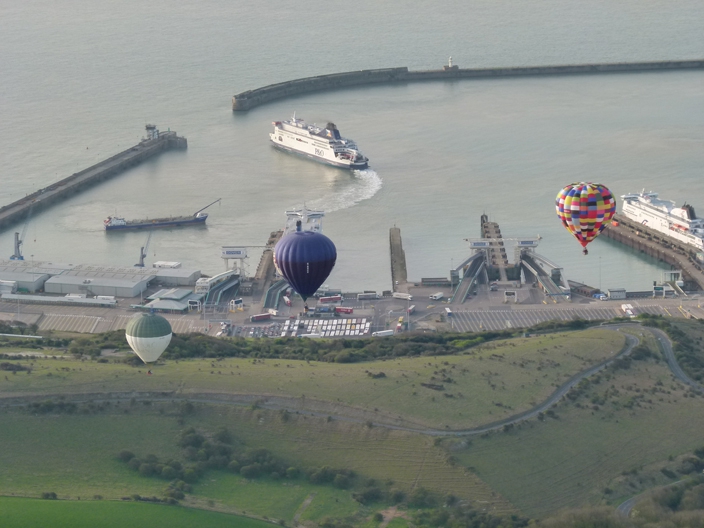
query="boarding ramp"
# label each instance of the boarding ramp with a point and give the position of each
(534, 266)
(472, 267)
(229, 289)
(213, 287)
(273, 294)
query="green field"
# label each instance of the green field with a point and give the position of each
(568, 461)
(620, 420)
(75, 456)
(483, 384)
(33, 513)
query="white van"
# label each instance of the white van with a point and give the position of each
(404, 296)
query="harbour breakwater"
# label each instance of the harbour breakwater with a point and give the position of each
(251, 98)
(154, 144)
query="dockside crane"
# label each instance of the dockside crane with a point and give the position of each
(143, 251)
(19, 239)
(204, 208)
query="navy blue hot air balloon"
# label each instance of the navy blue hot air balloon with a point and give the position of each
(305, 259)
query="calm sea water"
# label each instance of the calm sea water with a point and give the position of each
(80, 79)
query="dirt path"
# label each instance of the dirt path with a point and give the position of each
(303, 507)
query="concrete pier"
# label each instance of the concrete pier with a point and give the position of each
(251, 98)
(399, 274)
(651, 242)
(265, 269)
(56, 192)
(497, 251)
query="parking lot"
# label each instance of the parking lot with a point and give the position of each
(331, 327)
(504, 318)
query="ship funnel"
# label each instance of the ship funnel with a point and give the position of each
(334, 132)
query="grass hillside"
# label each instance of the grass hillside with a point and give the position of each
(477, 386)
(76, 456)
(32, 513)
(617, 423)
(594, 447)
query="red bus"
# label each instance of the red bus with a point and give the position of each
(332, 298)
(343, 309)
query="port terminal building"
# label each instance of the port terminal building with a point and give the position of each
(90, 280)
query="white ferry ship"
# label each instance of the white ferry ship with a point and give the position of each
(310, 220)
(680, 223)
(325, 145)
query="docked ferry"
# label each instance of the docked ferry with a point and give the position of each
(325, 145)
(680, 223)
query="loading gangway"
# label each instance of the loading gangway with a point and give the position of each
(213, 287)
(532, 264)
(273, 294)
(473, 267)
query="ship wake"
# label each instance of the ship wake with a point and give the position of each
(363, 185)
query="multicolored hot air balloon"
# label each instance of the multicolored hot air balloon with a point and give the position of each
(305, 259)
(585, 210)
(148, 335)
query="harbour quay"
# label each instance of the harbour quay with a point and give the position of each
(679, 255)
(155, 143)
(249, 99)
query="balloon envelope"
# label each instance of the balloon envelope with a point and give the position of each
(148, 335)
(585, 209)
(305, 259)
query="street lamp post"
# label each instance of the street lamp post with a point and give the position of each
(599, 272)
(408, 315)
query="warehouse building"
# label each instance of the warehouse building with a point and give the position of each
(26, 280)
(123, 286)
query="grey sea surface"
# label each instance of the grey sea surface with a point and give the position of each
(80, 79)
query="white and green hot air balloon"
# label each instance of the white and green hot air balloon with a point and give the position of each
(148, 335)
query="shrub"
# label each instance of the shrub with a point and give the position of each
(668, 473)
(125, 455)
(421, 498)
(341, 481)
(368, 495)
(49, 495)
(251, 471)
(223, 435)
(397, 496)
(146, 469)
(190, 475)
(169, 472)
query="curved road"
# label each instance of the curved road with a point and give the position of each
(666, 345)
(289, 404)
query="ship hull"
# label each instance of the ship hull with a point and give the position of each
(660, 219)
(320, 159)
(158, 223)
